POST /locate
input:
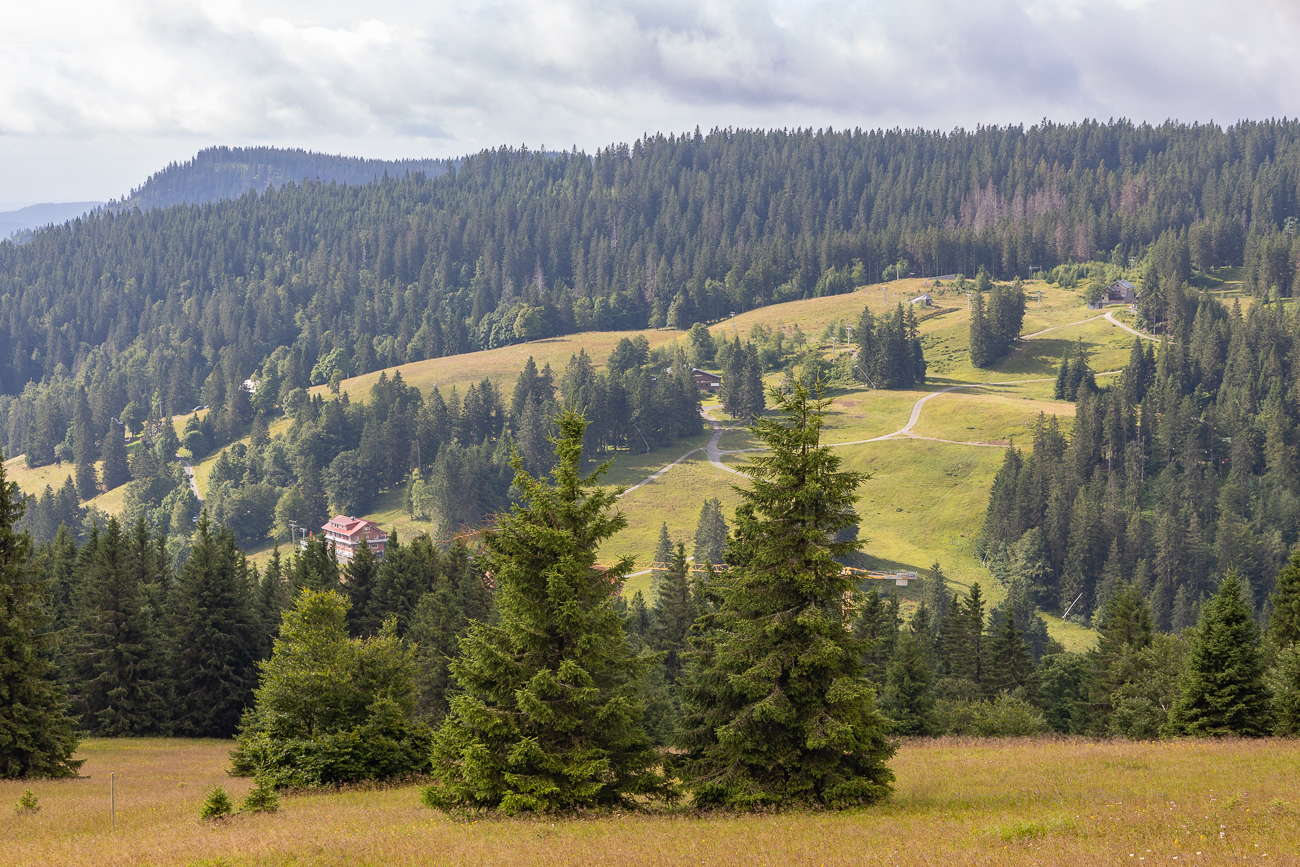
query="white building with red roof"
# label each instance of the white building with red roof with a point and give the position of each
(347, 534)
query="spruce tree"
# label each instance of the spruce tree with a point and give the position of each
(980, 338)
(549, 717)
(674, 612)
(315, 567)
(116, 472)
(359, 578)
(36, 732)
(117, 660)
(1284, 622)
(1010, 665)
(710, 532)
(906, 699)
(1062, 386)
(213, 636)
(663, 554)
(877, 626)
(778, 708)
(1222, 687)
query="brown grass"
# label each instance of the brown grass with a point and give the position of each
(957, 801)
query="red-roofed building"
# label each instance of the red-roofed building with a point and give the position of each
(348, 533)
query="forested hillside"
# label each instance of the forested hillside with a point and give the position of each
(227, 173)
(144, 305)
(1183, 469)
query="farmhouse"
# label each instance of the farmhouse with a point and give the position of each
(1119, 292)
(706, 381)
(348, 533)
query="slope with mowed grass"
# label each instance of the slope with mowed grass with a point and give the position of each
(956, 801)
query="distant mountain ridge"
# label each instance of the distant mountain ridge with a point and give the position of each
(35, 216)
(228, 172)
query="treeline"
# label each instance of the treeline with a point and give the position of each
(1180, 469)
(951, 668)
(145, 305)
(142, 648)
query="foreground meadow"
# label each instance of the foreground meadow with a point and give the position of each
(957, 801)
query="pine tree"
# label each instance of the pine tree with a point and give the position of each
(1222, 686)
(549, 717)
(118, 671)
(778, 710)
(36, 733)
(213, 636)
(710, 532)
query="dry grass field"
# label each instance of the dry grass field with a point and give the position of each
(957, 801)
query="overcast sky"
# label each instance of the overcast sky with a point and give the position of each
(95, 96)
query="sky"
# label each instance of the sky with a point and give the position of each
(96, 96)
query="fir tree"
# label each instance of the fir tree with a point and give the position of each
(877, 626)
(36, 733)
(980, 338)
(315, 567)
(710, 532)
(1062, 386)
(906, 699)
(1010, 665)
(1284, 622)
(778, 709)
(117, 658)
(1222, 687)
(674, 612)
(213, 636)
(549, 718)
(663, 554)
(359, 578)
(116, 470)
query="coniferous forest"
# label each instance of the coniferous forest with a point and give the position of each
(510, 671)
(145, 306)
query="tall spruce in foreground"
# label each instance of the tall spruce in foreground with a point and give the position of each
(36, 734)
(117, 661)
(213, 635)
(549, 719)
(778, 707)
(1222, 688)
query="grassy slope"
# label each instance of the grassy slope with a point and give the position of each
(956, 801)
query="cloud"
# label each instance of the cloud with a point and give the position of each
(391, 78)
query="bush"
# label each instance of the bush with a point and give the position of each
(1004, 716)
(216, 805)
(332, 709)
(28, 803)
(262, 798)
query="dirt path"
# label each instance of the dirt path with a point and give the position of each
(189, 474)
(1110, 317)
(716, 454)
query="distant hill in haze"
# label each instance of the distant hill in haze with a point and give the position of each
(35, 216)
(226, 173)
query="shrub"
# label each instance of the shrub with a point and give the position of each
(262, 798)
(332, 709)
(1004, 716)
(28, 803)
(216, 805)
